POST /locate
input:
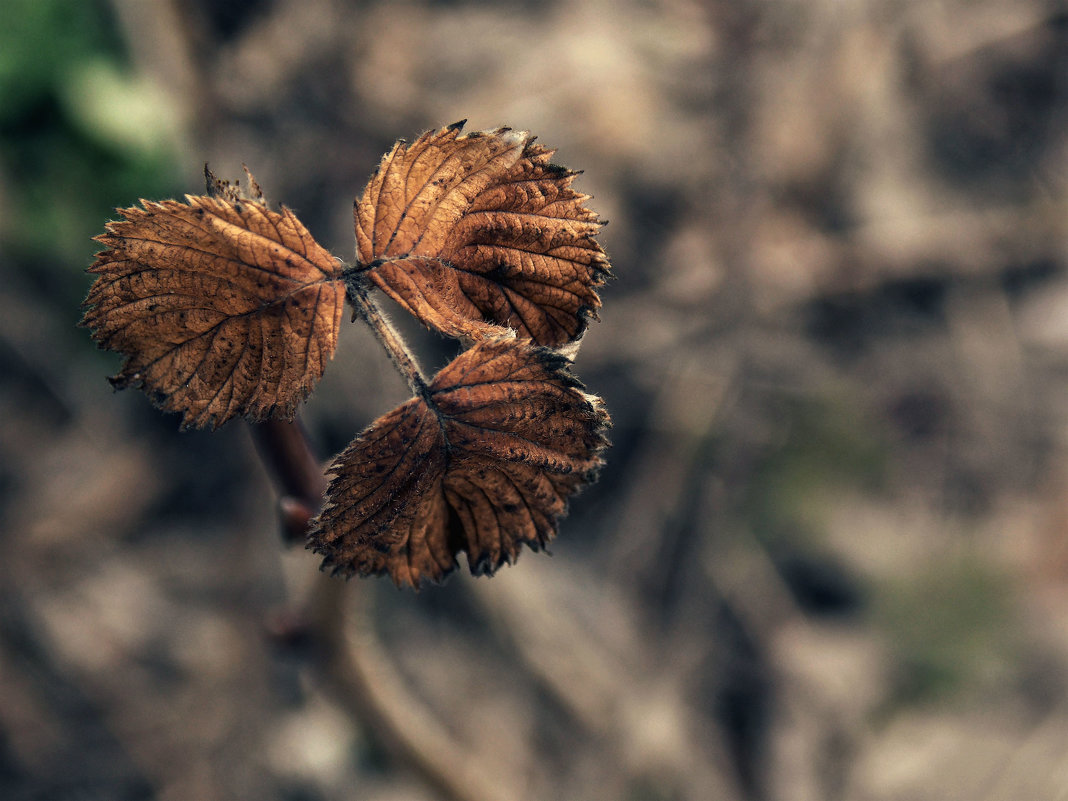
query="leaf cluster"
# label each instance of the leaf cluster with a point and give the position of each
(223, 307)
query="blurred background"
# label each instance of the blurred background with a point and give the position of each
(827, 558)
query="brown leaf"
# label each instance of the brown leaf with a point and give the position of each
(226, 190)
(221, 306)
(473, 231)
(483, 465)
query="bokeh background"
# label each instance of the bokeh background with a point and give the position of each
(828, 556)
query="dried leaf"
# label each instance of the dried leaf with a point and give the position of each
(227, 190)
(221, 306)
(473, 231)
(483, 465)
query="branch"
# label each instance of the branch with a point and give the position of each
(366, 684)
(355, 668)
(286, 452)
(365, 306)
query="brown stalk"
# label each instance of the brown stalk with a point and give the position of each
(364, 305)
(286, 452)
(355, 667)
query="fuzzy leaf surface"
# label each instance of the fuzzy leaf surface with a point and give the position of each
(485, 465)
(221, 306)
(470, 232)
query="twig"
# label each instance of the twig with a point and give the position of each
(286, 452)
(365, 306)
(367, 686)
(607, 690)
(354, 665)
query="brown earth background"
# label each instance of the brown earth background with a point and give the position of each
(828, 556)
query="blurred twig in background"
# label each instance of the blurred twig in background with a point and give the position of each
(827, 556)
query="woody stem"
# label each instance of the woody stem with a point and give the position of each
(287, 454)
(367, 307)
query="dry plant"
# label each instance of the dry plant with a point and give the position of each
(224, 308)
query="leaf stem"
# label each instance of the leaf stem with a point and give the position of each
(367, 307)
(355, 666)
(286, 452)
